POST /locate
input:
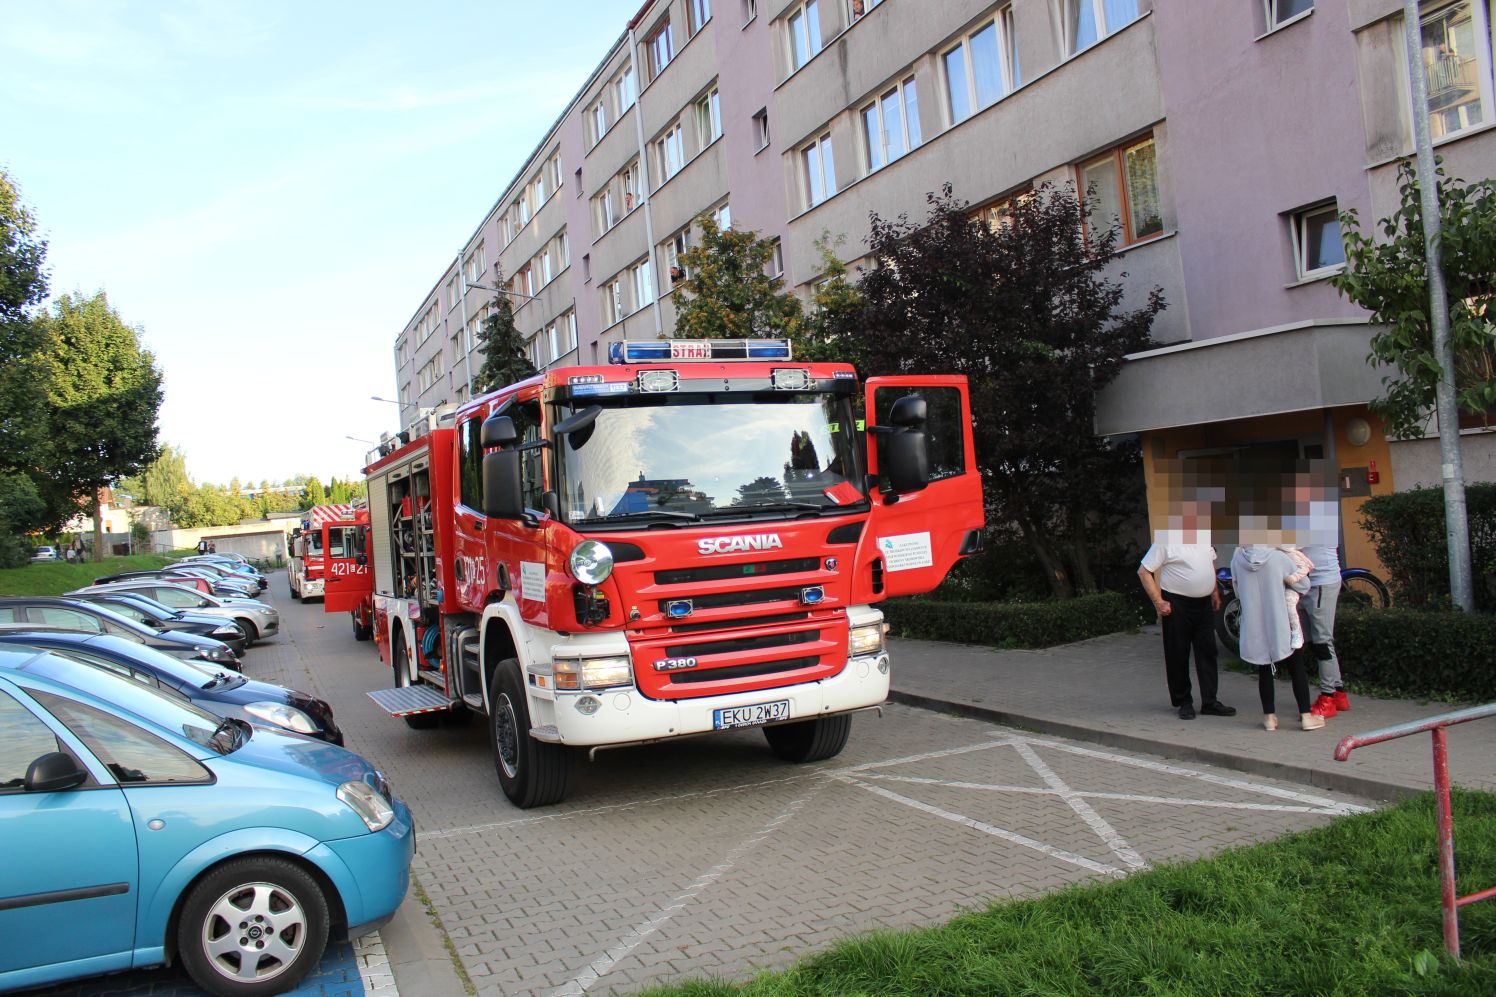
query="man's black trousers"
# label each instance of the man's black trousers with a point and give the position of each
(1190, 625)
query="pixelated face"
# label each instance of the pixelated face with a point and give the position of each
(1249, 497)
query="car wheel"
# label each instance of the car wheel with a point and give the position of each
(810, 740)
(252, 927)
(532, 773)
(401, 659)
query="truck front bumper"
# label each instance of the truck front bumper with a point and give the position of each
(624, 716)
(311, 587)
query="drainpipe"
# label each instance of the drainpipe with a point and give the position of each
(654, 268)
(467, 347)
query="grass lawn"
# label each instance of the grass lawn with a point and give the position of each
(57, 577)
(1350, 908)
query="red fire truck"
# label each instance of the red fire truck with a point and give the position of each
(347, 586)
(690, 539)
(304, 575)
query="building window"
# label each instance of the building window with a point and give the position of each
(857, 8)
(674, 249)
(671, 152)
(709, 118)
(776, 262)
(605, 210)
(723, 217)
(890, 125)
(750, 10)
(1086, 22)
(999, 214)
(761, 127)
(698, 12)
(535, 352)
(1457, 60)
(569, 323)
(642, 277)
(805, 33)
(660, 47)
(625, 89)
(543, 266)
(1317, 248)
(473, 266)
(820, 170)
(628, 182)
(1280, 12)
(1123, 188)
(612, 301)
(983, 68)
(452, 294)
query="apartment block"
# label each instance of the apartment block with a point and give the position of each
(1221, 138)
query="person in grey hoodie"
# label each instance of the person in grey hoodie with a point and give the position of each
(1259, 574)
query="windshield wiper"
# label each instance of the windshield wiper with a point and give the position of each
(787, 506)
(670, 515)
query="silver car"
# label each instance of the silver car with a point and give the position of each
(255, 618)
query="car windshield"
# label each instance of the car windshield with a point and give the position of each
(683, 457)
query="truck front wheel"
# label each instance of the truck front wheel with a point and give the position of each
(532, 773)
(810, 740)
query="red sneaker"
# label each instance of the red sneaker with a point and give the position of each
(1324, 706)
(1342, 701)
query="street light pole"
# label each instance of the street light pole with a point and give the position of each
(1456, 525)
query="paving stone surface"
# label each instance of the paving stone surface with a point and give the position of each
(709, 857)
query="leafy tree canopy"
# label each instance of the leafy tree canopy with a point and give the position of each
(725, 290)
(23, 285)
(1026, 311)
(1389, 279)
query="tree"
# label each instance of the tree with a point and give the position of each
(21, 512)
(834, 299)
(1025, 312)
(103, 392)
(23, 285)
(1389, 279)
(506, 359)
(725, 292)
(164, 483)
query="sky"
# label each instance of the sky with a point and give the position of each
(268, 189)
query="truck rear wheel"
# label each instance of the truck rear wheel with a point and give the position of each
(810, 740)
(532, 773)
(401, 658)
(361, 631)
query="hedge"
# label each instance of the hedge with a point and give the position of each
(1013, 624)
(1421, 655)
(1407, 529)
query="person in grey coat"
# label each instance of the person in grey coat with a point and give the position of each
(1259, 574)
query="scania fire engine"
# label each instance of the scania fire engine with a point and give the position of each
(692, 538)
(305, 572)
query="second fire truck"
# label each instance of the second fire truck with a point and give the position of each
(693, 538)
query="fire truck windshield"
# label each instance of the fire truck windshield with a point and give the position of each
(650, 459)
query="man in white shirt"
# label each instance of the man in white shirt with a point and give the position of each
(1178, 573)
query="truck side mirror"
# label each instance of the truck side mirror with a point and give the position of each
(360, 541)
(907, 461)
(497, 431)
(502, 496)
(361, 559)
(911, 411)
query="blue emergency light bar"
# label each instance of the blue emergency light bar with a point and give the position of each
(689, 350)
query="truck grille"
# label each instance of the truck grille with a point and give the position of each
(744, 671)
(718, 572)
(740, 644)
(753, 597)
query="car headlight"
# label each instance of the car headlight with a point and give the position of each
(281, 715)
(865, 640)
(227, 633)
(594, 673)
(375, 811)
(591, 562)
(219, 653)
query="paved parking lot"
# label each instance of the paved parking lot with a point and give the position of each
(709, 857)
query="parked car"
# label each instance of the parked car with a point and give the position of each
(235, 568)
(142, 609)
(195, 581)
(141, 830)
(223, 581)
(227, 694)
(86, 617)
(258, 620)
(44, 553)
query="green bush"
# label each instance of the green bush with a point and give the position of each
(1013, 624)
(1407, 529)
(1401, 652)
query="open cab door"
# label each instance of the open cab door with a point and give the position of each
(927, 509)
(347, 580)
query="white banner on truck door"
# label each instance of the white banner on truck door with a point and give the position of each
(906, 551)
(532, 581)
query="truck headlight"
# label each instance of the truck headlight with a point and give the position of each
(281, 715)
(591, 562)
(865, 640)
(593, 673)
(373, 809)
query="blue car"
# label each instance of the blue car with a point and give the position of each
(140, 830)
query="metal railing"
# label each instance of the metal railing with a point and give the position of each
(1436, 726)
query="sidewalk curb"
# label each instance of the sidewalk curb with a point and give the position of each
(1374, 789)
(417, 952)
